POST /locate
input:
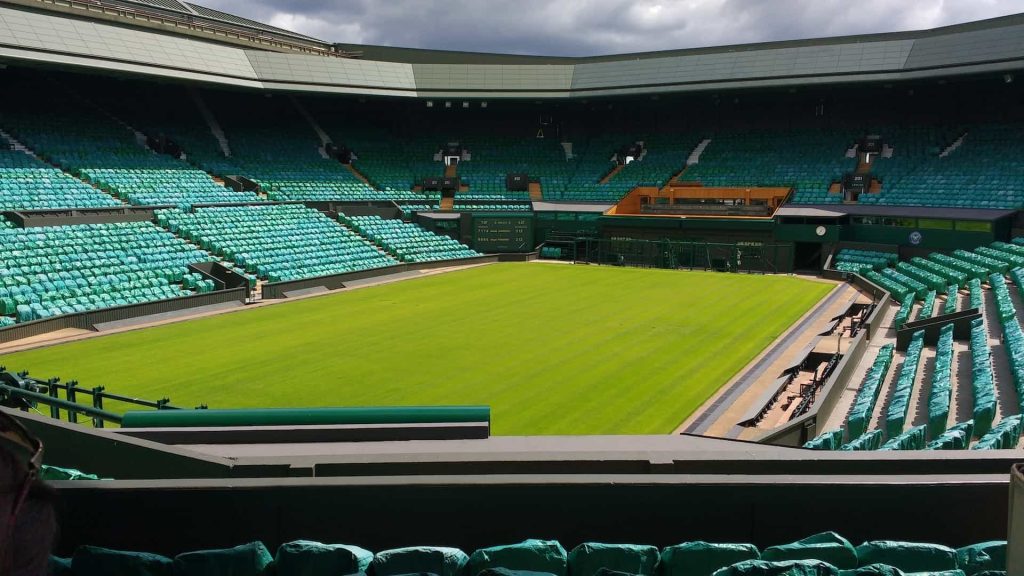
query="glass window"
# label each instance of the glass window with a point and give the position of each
(934, 224)
(973, 226)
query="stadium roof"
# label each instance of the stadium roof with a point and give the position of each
(215, 47)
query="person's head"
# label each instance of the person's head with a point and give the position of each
(21, 456)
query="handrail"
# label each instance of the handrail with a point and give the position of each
(98, 415)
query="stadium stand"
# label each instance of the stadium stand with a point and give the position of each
(78, 138)
(823, 554)
(983, 172)
(407, 242)
(50, 271)
(276, 242)
(28, 183)
(808, 160)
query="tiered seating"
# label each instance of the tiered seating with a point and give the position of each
(665, 156)
(867, 395)
(852, 260)
(822, 554)
(1013, 336)
(933, 281)
(95, 149)
(277, 242)
(808, 160)
(49, 271)
(899, 403)
(27, 183)
(408, 242)
(898, 291)
(494, 157)
(903, 314)
(281, 154)
(986, 171)
(928, 306)
(409, 209)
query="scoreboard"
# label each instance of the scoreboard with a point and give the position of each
(503, 233)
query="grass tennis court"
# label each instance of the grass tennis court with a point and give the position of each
(553, 349)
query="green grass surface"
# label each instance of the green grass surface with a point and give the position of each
(553, 349)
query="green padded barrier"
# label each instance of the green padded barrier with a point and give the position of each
(785, 568)
(96, 561)
(704, 558)
(831, 440)
(590, 558)
(307, 558)
(908, 556)
(420, 559)
(825, 546)
(982, 556)
(59, 567)
(245, 560)
(305, 416)
(546, 556)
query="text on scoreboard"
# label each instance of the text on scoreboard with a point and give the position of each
(503, 233)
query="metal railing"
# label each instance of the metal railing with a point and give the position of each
(25, 393)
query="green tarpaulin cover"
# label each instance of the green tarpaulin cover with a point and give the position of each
(956, 438)
(867, 394)
(704, 558)
(942, 388)
(787, 568)
(532, 555)
(587, 559)
(982, 384)
(982, 556)
(870, 441)
(827, 441)
(434, 560)
(899, 403)
(826, 546)
(306, 558)
(912, 439)
(908, 556)
(96, 561)
(245, 560)
(59, 566)
(872, 570)
(1003, 436)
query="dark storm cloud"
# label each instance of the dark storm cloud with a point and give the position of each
(588, 27)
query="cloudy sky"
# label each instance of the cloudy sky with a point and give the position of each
(591, 27)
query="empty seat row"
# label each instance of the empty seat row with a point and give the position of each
(277, 242)
(408, 242)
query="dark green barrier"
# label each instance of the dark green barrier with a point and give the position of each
(305, 416)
